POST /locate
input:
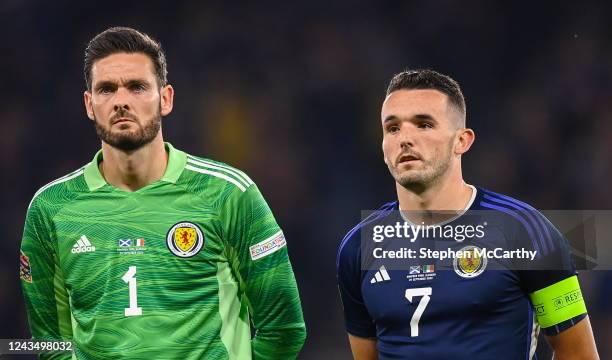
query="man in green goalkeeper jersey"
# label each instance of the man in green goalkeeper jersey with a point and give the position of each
(147, 252)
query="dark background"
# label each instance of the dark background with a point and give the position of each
(291, 93)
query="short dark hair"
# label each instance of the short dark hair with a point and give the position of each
(125, 40)
(429, 79)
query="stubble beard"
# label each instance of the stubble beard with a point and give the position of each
(431, 172)
(129, 141)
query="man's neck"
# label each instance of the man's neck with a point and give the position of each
(134, 170)
(437, 202)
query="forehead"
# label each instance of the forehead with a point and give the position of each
(408, 103)
(122, 66)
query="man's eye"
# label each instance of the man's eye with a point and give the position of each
(425, 126)
(105, 90)
(393, 129)
(138, 87)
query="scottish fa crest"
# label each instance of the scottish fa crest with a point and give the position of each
(471, 264)
(185, 239)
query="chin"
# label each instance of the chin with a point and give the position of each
(412, 178)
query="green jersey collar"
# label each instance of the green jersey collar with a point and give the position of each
(176, 163)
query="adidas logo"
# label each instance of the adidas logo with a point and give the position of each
(82, 246)
(381, 275)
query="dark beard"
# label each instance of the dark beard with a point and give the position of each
(130, 141)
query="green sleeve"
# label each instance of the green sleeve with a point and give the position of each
(259, 254)
(46, 298)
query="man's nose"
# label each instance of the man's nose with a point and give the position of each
(406, 139)
(121, 99)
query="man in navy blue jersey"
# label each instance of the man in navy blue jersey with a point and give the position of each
(475, 274)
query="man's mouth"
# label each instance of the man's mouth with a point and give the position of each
(122, 120)
(407, 158)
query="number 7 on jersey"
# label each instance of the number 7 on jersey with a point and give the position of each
(414, 322)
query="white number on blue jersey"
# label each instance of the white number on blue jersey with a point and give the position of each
(425, 294)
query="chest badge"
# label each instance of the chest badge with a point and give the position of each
(471, 264)
(185, 239)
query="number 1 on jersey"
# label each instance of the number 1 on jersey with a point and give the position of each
(129, 277)
(414, 322)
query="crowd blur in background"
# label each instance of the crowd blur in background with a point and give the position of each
(291, 93)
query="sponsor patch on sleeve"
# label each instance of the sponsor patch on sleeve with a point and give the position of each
(268, 246)
(25, 270)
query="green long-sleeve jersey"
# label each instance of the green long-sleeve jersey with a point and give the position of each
(183, 268)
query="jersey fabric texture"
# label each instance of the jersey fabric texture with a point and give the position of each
(184, 268)
(433, 311)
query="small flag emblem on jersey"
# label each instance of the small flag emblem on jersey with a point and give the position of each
(131, 246)
(184, 239)
(428, 269)
(125, 242)
(130, 242)
(380, 276)
(25, 270)
(415, 269)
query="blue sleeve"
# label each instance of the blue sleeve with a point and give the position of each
(553, 261)
(348, 264)
(552, 264)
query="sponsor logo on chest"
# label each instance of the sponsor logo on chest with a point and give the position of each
(83, 245)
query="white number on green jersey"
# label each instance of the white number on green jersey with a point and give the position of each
(129, 277)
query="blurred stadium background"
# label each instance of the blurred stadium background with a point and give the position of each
(291, 94)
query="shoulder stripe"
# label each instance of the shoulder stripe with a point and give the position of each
(217, 168)
(538, 215)
(382, 212)
(217, 174)
(520, 219)
(65, 178)
(241, 174)
(527, 214)
(228, 169)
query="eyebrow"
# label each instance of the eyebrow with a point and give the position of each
(128, 82)
(415, 117)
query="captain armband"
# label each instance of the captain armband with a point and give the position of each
(558, 302)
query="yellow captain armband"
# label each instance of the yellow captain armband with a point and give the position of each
(558, 302)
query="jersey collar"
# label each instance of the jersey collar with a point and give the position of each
(176, 163)
(468, 206)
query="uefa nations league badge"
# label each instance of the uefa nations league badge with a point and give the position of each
(185, 239)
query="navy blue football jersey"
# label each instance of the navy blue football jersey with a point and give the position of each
(466, 308)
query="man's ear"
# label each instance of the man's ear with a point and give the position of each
(88, 105)
(166, 95)
(465, 139)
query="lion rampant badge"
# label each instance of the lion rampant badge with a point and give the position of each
(471, 264)
(185, 239)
